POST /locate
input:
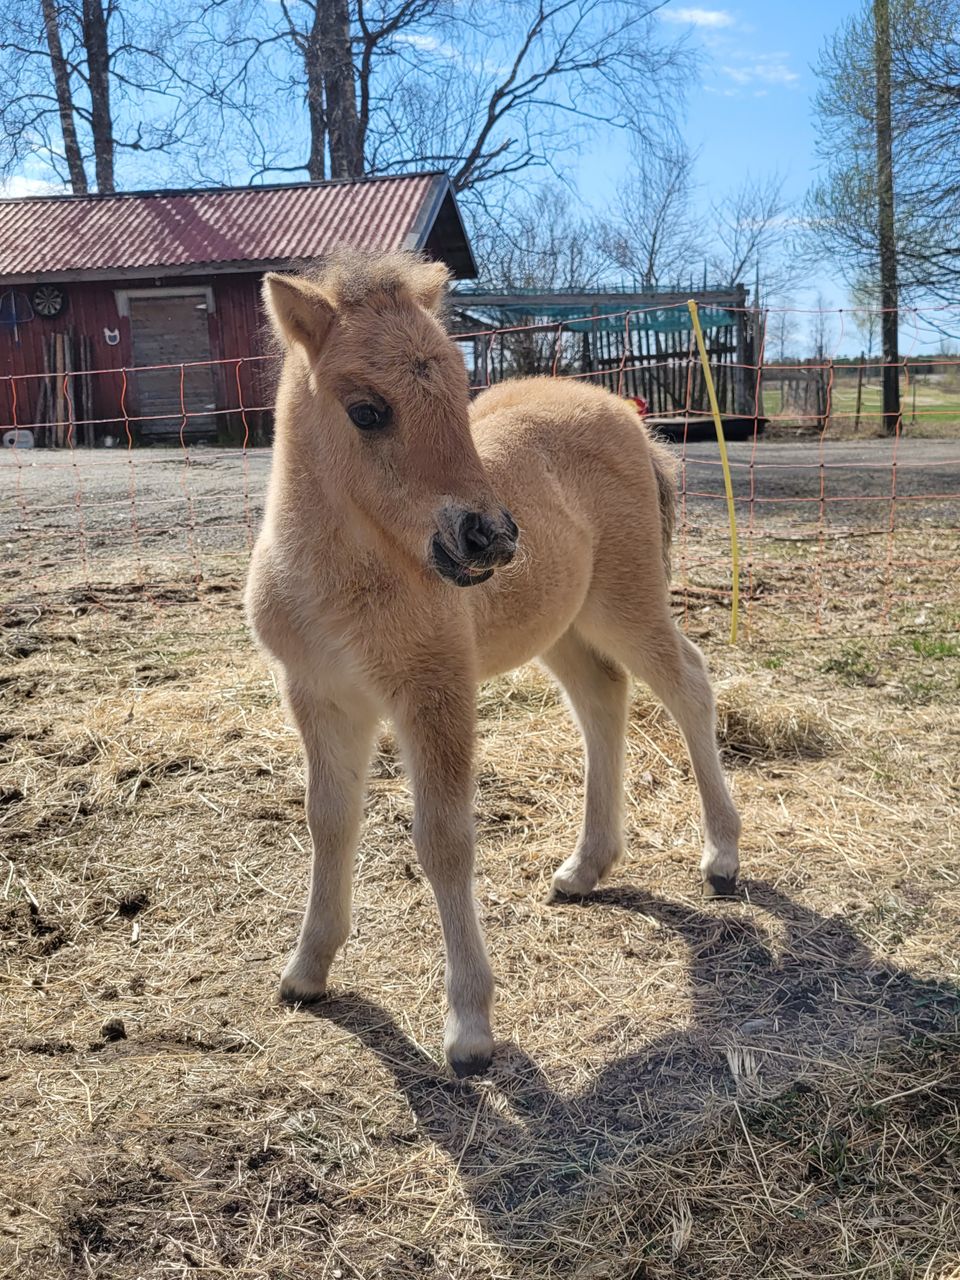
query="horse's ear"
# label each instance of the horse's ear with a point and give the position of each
(299, 310)
(430, 284)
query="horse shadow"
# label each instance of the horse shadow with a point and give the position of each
(533, 1165)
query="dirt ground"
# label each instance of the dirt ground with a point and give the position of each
(808, 517)
(761, 1088)
(94, 496)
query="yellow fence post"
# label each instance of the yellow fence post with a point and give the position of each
(724, 462)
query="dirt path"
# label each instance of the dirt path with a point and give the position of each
(161, 501)
(858, 481)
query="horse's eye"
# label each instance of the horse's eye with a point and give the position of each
(368, 417)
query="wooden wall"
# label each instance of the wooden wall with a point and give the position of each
(238, 329)
(236, 334)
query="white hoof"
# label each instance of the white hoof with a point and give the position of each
(302, 981)
(574, 879)
(468, 1045)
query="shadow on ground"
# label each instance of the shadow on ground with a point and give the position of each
(775, 1090)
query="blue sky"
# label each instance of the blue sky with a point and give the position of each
(750, 106)
(751, 110)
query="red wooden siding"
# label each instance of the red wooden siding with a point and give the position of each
(238, 333)
(89, 310)
(243, 383)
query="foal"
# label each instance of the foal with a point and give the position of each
(390, 496)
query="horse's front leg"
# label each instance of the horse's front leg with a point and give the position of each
(436, 727)
(337, 741)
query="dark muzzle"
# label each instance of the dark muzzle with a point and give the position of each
(475, 546)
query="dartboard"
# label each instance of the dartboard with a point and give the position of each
(48, 300)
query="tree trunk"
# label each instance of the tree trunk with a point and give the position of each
(98, 66)
(889, 296)
(61, 80)
(313, 66)
(340, 90)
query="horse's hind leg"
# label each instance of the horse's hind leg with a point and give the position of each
(674, 668)
(597, 689)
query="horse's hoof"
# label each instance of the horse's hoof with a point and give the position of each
(720, 886)
(297, 989)
(475, 1065)
(570, 883)
(559, 894)
(468, 1051)
(292, 993)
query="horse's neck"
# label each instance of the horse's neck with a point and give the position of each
(298, 468)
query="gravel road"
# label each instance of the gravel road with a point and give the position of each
(212, 501)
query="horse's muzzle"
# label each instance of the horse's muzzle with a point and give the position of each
(475, 547)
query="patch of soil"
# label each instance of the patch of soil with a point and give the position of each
(26, 932)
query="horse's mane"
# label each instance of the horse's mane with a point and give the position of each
(351, 277)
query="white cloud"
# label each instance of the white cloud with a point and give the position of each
(709, 18)
(767, 68)
(421, 41)
(17, 187)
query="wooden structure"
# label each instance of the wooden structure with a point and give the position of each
(638, 344)
(137, 316)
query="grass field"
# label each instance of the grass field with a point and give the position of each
(762, 1088)
(930, 406)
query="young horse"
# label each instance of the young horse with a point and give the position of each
(390, 494)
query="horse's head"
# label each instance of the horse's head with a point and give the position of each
(373, 377)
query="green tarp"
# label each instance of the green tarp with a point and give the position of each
(655, 320)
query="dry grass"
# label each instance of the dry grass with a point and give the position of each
(761, 1088)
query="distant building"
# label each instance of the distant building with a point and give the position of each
(91, 286)
(635, 342)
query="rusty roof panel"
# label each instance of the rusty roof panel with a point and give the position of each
(170, 230)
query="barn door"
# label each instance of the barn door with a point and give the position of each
(170, 330)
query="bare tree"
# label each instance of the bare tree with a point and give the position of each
(484, 92)
(782, 332)
(481, 91)
(822, 341)
(651, 233)
(865, 298)
(539, 245)
(104, 81)
(656, 234)
(822, 333)
(751, 230)
(60, 73)
(324, 45)
(96, 43)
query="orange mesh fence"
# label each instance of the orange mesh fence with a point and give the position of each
(107, 477)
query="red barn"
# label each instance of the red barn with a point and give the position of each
(137, 316)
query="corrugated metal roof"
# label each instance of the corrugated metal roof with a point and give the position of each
(169, 230)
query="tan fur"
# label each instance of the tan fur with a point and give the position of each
(343, 593)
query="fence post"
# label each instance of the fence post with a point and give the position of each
(856, 416)
(742, 358)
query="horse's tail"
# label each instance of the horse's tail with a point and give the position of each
(665, 469)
